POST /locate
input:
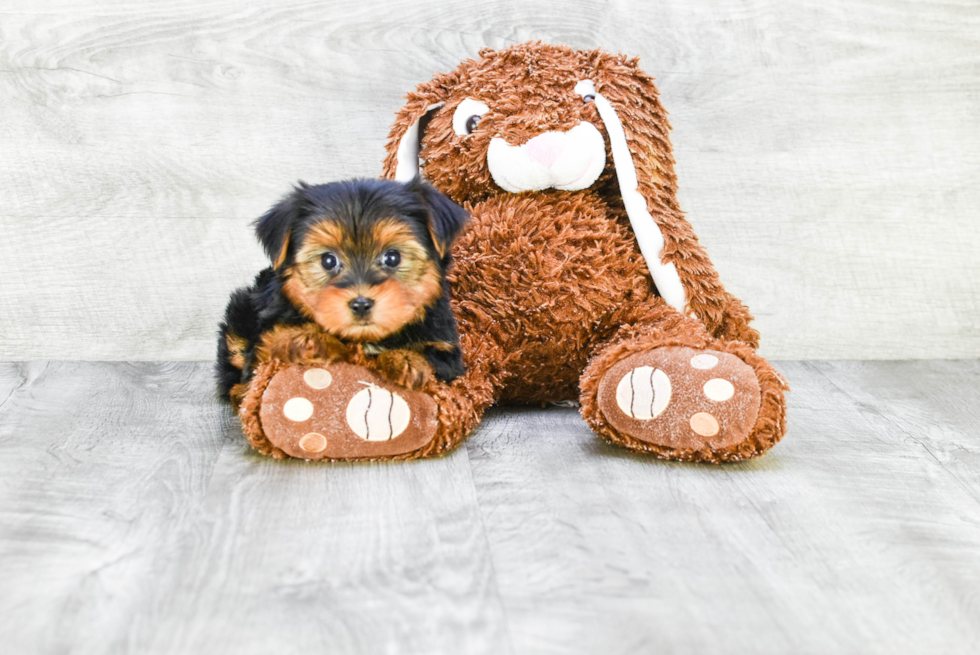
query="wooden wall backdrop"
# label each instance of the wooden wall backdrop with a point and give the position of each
(828, 153)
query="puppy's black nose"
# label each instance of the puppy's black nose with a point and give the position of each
(361, 306)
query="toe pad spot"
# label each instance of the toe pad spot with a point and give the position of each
(313, 442)
(298, 409)
(704, 361)
(719, 390)
(317, 378)
(705, 424)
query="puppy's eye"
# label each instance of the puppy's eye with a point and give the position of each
(588, 98)
(468, 115)
(391, 259)
(329, 261)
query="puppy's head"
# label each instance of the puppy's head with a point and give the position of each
(362, 258)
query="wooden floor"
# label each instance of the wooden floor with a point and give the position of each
(135, 519)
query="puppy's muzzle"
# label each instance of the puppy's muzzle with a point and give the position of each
(361, 306)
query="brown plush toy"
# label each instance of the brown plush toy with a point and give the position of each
(578, 277)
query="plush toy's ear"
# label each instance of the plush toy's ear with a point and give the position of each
(275, 226)
(648, 231)
(405, 139)
(628, 103)
(445, 219)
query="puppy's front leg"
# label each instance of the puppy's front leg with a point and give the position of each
(301, 344)
(405, 368)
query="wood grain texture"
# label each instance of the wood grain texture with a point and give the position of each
(134, 519)
(828, 153)
(858, 534)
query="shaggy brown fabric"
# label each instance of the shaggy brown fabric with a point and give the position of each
(458, 408)
(251, 406)
(550, 290)
(300, 344)
(549, 287)
(530, 90)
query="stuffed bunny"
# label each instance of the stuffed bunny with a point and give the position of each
(577, 278)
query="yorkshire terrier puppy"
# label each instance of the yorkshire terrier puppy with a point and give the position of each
(355, 262)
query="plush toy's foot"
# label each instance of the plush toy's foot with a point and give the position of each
(336, 411)
(686, 403)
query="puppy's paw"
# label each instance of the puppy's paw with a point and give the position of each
(301, 344)
(406, 368)
(236, 394)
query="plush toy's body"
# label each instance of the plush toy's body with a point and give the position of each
(578, 277)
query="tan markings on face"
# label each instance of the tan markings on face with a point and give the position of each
(325, 236)
(391, 232)
(394, 234)
(401, 299)
(397, 304)
(306, 280)
(298, 293)
(332, 310)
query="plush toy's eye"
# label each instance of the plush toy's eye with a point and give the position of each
(391, 259)
(588, 98)
(329, 261)
(468, 115)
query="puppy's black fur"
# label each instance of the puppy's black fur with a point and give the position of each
(355, 204)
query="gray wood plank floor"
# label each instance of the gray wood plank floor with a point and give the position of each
(135, 519)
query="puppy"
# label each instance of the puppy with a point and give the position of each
(355, 262)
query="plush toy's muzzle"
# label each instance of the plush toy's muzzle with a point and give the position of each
(569, 161)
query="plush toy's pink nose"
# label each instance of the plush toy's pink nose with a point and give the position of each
(546, 148)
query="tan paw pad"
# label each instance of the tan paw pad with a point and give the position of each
(681, 398)
(342, 411)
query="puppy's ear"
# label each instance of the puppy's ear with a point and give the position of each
(445, 218)
(276, 225)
